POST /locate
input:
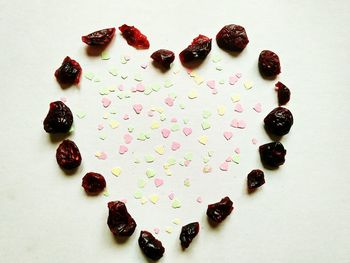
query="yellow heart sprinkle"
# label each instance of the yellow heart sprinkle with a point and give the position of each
(203, 139)
(114, 124)
(248, 84)
(154, 198)
(159, 149)
(221, 110)
(235, 97)
(155, 125)
(116, 171)
(193, 94)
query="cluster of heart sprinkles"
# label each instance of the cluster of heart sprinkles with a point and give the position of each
(232, 38)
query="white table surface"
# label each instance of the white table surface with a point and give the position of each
(300, 215)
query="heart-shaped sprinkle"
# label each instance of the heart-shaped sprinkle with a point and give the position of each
(199, 199)
(192, 94)
(100, 127)
(241, 124)
(125, 117)
(165, 132)
(156, 231)
(155, 125)
(254, 141)
(144, 65)
(236, 158)
(154, 198)
(149, 158)
(116, 171)
(128, 138)
(175, 146)
(238, 107)
(106, 102)
(257, 107)
(176, 203)
(233, 80)
(237, 150)
(173, 119)
(224, 166)
(248, 84)
(221, 110)
(169, 101)
(158, 182)
(205, 125)
(214, 91)
(235, 97)
(101, 155)
(171, 196)
(123, 149)
(187, 131)
(203, 139)
(159, 149)
(113, 124)
(137, 108)
(121, 87)
(211, 84)
(150, 173)
(228, 135)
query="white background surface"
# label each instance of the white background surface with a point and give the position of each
(300, 215)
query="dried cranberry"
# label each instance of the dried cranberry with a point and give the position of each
(163, 57)
(232, 38)
(100, 37)
(198, 50)
(188, 233)
(279, 121)
(220, 210)
(119, 220)
(269, 63)
(59, 119)
(68, 155)
(272, 154)
(69, 72)
(93, 183)
(255, 179)
(134, 37)
(283, 93)
(151, 246)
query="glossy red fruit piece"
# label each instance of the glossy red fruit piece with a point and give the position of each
(68, 155)
(272, 154)
(255, 179)
(134, 37)
(188, 233)
(283, 93)
(93, 183)
(119, 220)
(198, 50)
(59, 119)
(99, 38)
(269, 63)
(232, 38)
(163, 57)
(279, 121)
(150, 246)
(217, 212)
(69, 72)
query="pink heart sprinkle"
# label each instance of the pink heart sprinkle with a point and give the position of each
(106, 102)
(156, 230)
(137, 108)
(175, 146)
(102, 156)
(140, 87)
(241, 124)
(257, 107)
(173, 119)
(254, 141)
(234, 123)
(158, 182)
(238, 75)
(228, 159)
(211, 84)
(214, 91)
(165, 133)
(228, 135)
(123, 149)
(199, 199)
(169, 101)
(224, 166)
(237, 150)
(144, 65)
(187, 162)
(126, 117)
(171, 196)
(121, 87)
(150, 114)
(233, 80)
(100, 127)
(127, 138)
(187, 131)
(238, 107)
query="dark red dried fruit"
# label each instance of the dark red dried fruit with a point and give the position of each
(119, 220)
(93, 183)
(198, 50)
(272, 154)
(59, 119)
(188, 233)
(163, 57)
(220, 210)
(283, 93)
(151, 246)
(100, 37)
(232, 38)
(269, 63)
(67, 155)
(279, 121)
(69, 72)
(255, 179)
(134, 37)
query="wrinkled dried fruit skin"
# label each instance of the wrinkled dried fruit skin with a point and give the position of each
(100, 37)
(269, 63)
(232, 38)
(255, 179)
(198, 50)
(279, 121)
(119, 220)
(150, 246)
(93, 183)
(69, 72)
(188, 233)
(134, 37)
(272, 154)
(220, 210)
(68, 155)
(59, 119)
(163, 57)
(283, 93)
